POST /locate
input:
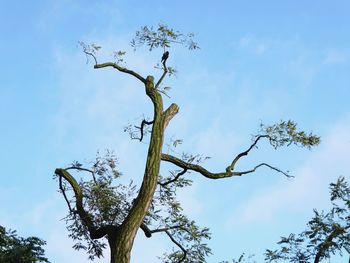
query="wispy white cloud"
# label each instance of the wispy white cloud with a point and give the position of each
(253, 44)
(335, 56)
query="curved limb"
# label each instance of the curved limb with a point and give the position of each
(87, 51)
(95, 233)
(197, 168)
(121, 69)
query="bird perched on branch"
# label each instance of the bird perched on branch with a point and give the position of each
(165, 56)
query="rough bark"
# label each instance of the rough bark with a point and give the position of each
(121, 242)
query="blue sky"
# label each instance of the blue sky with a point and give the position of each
(260, 61)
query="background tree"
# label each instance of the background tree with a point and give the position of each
(99, 208)
(327, 233)
(14, 249)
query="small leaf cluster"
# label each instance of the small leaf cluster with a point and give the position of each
(14, 249)
(286, 133)
(161, 37)
(194, 158)
(80, 235)
(119, 56)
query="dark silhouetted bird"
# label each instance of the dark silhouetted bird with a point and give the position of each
(165, 56)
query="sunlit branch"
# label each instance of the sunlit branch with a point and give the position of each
(169, 113)
(121, 69)
(113, 65)
(82, 169)
(194, 167)
(197, 168)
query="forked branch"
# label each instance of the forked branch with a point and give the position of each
(148, 232)
(230, 170)
(245, 153)
(143, 123)
(90, 50)
(197, 168)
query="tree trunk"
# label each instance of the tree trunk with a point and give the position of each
(122, 241)
(120, 247)
(120, 253)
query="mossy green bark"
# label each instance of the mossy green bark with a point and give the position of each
(121, 242)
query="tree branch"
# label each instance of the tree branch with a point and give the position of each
(95, 233)
(165, 71)
(149, 233)
(179, 245)
(197, 168)
(263, 164)
(87, 51)
(169, 113)
(64, 194)
(174, 179)
(245, 153)
(82, 169)
(146, 230)
(194, 167)
(121, 69)
(143, 123)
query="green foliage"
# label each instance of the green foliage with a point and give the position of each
(286, 133)
(327, 234)
(119, 56)
(162, 37)
(108, 203)
(105, 202)
(14, 249)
